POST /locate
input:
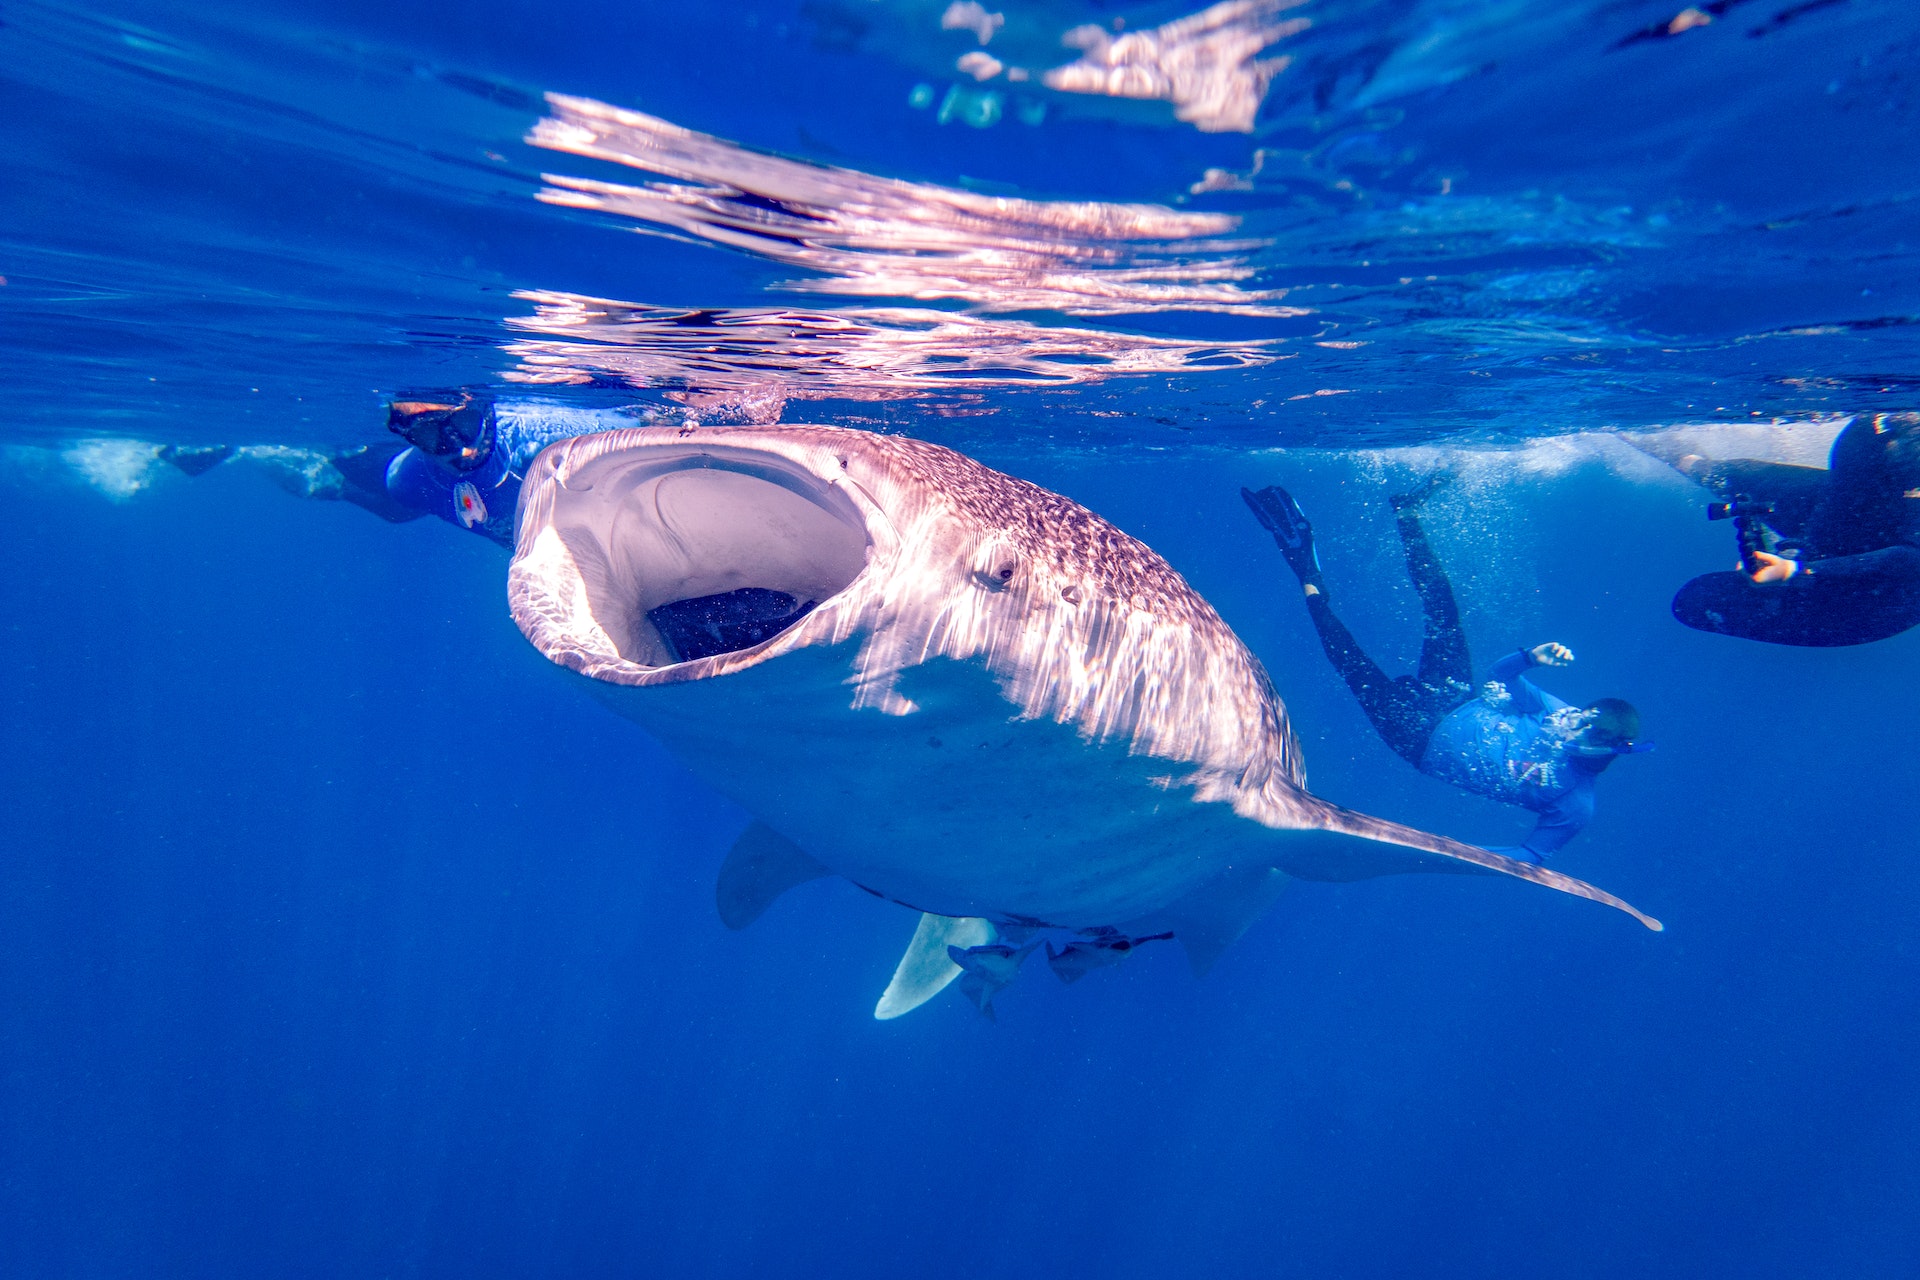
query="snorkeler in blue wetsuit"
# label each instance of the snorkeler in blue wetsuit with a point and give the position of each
(463, 459)
(461, 456)
(1508, 741)
(466, 455)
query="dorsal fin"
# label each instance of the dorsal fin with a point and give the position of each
(762, 865)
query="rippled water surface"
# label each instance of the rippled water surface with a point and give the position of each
(1319, 222)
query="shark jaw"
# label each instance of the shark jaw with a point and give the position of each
(623, 536)
(958, 690)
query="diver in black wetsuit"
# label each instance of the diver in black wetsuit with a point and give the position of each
(1511, 741)
(1828, 557)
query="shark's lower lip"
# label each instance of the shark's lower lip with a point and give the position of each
(692, 552)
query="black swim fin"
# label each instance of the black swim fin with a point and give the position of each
(196, 460)
(1415, 498)
(1281, 516)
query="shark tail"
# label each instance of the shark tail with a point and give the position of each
(1331, 817)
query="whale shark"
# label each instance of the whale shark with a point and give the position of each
(964, 693)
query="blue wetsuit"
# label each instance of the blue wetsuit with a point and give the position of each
(1514, 744)
(418, 483)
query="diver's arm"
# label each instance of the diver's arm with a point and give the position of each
(1889, 564)
(528, 426)
(1511, 672)
(363, 474)
(416, 483)
(1567, 818)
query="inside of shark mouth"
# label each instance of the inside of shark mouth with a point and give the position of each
(686, 554)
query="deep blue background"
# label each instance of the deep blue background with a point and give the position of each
(346, 937)
(340, 935)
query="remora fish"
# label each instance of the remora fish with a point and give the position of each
(999, 709)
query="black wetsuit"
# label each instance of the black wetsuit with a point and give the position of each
(1406, 709)
(1854, 528)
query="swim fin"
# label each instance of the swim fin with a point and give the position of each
(1415, 498)
(1281, 516)
(196, 460)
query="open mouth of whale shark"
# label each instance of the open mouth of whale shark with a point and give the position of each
(688, 554)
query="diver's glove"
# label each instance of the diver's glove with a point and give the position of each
(1768, 568)
(1551, 654)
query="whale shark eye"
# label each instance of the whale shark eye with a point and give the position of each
(997, 575)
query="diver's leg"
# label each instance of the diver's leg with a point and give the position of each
(1445, 664)
(1393, 705)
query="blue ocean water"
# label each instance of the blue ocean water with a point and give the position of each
(346, 936)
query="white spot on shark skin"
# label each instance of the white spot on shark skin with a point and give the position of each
(1120, 764)
(118, 468)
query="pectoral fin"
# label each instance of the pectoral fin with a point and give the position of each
(762, 865)
(1434, 853)
(926, 969)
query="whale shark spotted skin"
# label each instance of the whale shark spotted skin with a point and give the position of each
(993, 705)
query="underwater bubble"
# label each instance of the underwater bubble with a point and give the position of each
(117, 468)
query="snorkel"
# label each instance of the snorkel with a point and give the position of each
(1598, 751)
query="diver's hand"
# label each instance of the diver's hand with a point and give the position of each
(1551, 654)
(1518, 852)
(1767, 568)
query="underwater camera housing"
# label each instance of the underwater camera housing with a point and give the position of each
(1750, 531)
